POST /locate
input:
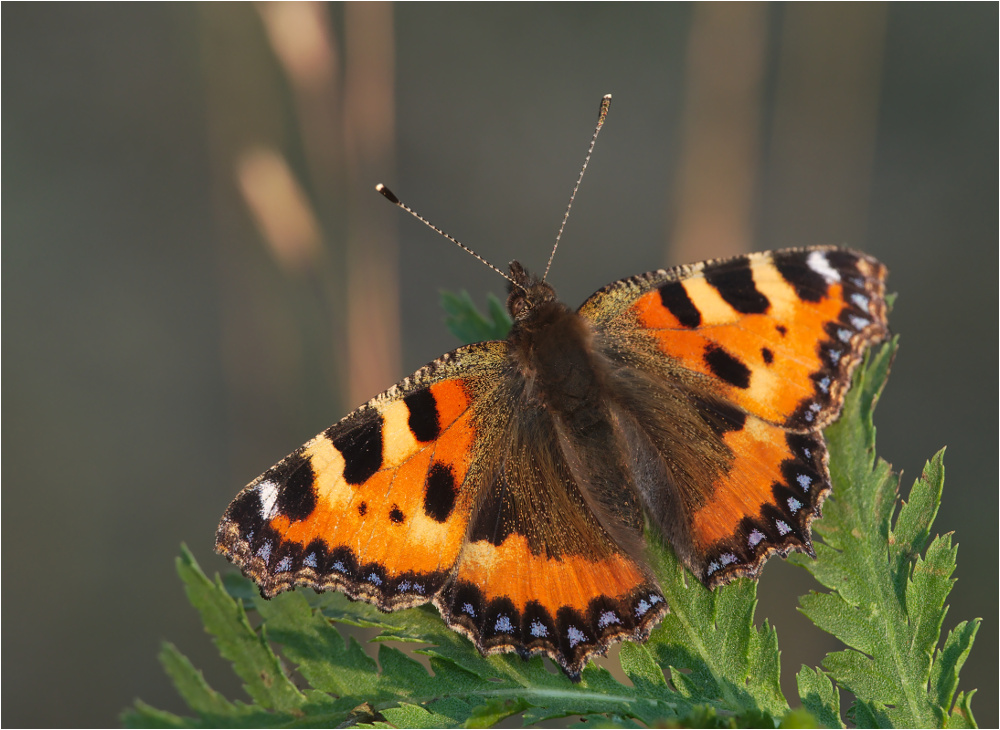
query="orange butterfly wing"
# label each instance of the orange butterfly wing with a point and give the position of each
(762, 347)
(446, 489)
(374, 505)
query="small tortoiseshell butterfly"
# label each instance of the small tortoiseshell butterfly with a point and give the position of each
(510, 482)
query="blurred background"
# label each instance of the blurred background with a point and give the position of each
(200, 276)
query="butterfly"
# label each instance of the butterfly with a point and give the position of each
(510, 482)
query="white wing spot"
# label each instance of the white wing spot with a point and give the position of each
(727, 559)
(467, 607)
(794, 505)
(284, 565)
(834, 356)
(817, 261)
(419, 588)
(712, 567)
(824, 385)
(504, 625)
(265, 552)
(374, 579)
(844, 335)
(538, 629)
(654, 599)
(404, 586)
(310, 560)
(340, 567)
(861, 301)
(859, 323)
(575, 636)
(268, 493)
(607, 618)
(642, 607)
(805, 481)
(755, 538)
(782, 526)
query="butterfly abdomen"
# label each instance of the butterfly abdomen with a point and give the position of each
(567, 380)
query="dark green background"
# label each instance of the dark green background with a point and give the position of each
(137, 296)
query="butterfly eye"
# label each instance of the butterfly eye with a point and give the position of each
(519, 305)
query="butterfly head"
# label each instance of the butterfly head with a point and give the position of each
(526, 292)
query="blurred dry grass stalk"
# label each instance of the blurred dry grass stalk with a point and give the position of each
(373, 336)
(300, 128)
(824, 117)
(280, 208)
(720, 129)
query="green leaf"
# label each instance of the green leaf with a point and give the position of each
(887, 585)
(465, 687)
(710, 633)
(192, 685)
(949, 660)
(819, 696)
(494, 711)
(251, 657)
(143, 715)
(466, 322)
(961, 715)
(407, 715)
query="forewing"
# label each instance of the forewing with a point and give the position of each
(777, 334)
(377, 505)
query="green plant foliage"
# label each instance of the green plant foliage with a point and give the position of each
(705, 665)
(887, 584)
(468, 324)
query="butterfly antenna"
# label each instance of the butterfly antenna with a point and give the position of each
(605, 105)
(391, 197)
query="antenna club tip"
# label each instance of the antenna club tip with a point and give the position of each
(387, 193)
(608, 97)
